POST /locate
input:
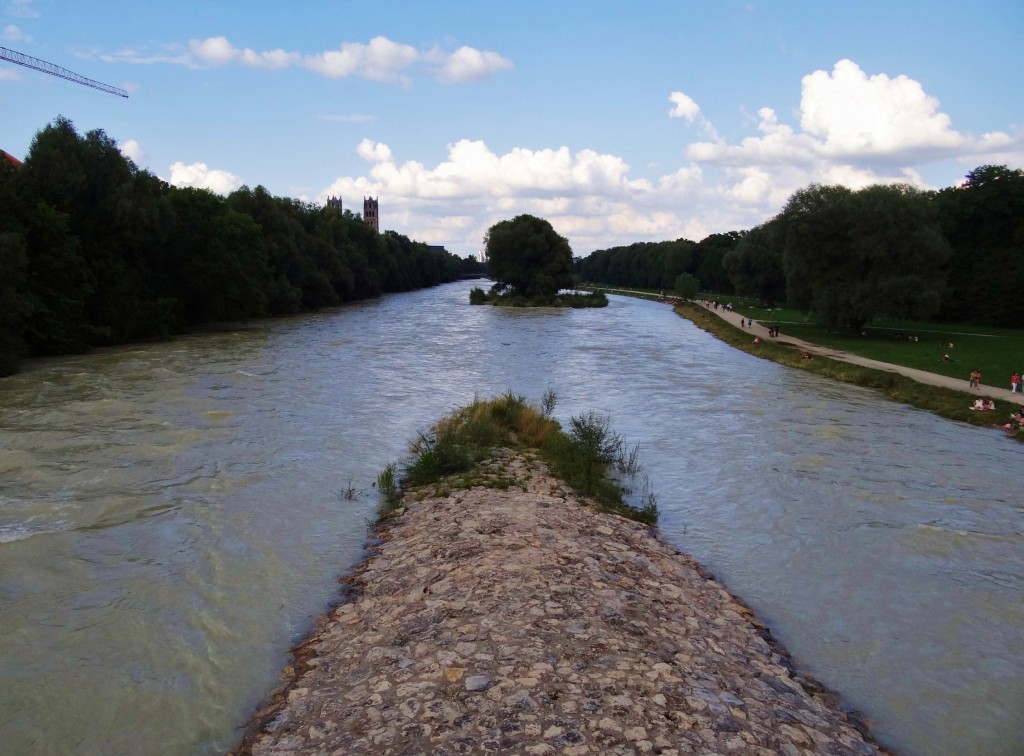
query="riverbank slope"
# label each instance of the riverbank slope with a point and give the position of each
(523, 621)
(921, 376)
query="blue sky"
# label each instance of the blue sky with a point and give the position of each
(617, 122)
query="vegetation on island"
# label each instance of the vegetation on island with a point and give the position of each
(95, 251)
(530, 264)
(460, 452)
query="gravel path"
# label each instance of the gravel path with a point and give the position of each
(921, 376)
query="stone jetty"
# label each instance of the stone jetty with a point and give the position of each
(523, 621)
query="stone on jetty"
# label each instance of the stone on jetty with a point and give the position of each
(521, 621)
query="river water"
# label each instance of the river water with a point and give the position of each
(172, 516)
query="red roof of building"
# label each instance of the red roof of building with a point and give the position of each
(10, 158)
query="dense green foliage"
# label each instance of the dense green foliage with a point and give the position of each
(590, 457)
(526, 256)
(983, 221)
(94, 251)
(851, 256)
(658, 265)
(754, 266)
(892, 251)
(847, 257)
(687, 286)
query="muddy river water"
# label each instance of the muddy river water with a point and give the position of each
(173, 517)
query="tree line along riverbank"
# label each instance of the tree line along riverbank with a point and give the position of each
(95, 251)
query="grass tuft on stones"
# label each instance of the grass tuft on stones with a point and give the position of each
(461, 452)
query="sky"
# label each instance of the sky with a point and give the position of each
(617, 122)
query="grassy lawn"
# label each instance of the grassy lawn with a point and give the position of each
(997, 352)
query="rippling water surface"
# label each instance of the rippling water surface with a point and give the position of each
(172, 518)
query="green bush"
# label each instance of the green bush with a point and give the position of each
(390, 492)
(585, 457)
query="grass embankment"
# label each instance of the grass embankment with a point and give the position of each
(997, 352)
(953, 405)
(459, 452)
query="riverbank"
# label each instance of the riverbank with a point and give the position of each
(742, 336)
(521, 620)
(921, 376)
(928, 391)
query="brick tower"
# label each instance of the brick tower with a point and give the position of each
(370, 213)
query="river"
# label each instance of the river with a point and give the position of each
(173, 517)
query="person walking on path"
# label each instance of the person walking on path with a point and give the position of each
(975, 378)
(1015, 383)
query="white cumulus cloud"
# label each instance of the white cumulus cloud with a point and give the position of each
(872, 126)
(374, 152)
(200, 176)
(856, 114)
(132, 150)
(380, 59)
(469, 64)
(685, 107)
(219, 51)
(586, 195)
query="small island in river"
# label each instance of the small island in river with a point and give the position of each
(531, 265)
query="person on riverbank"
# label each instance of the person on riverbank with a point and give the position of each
(975, 378)
(1015, 383)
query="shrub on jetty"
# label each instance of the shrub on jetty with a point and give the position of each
(593, 459)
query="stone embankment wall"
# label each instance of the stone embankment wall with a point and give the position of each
(521, 621)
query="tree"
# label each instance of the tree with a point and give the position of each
(851, 256)
(754, 266)
(984, 222)
(708, 257)
(686, 286)
(526, 255)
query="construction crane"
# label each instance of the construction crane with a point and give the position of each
(28, 61)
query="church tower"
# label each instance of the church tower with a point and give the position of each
(370, 213)
(334, 202)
